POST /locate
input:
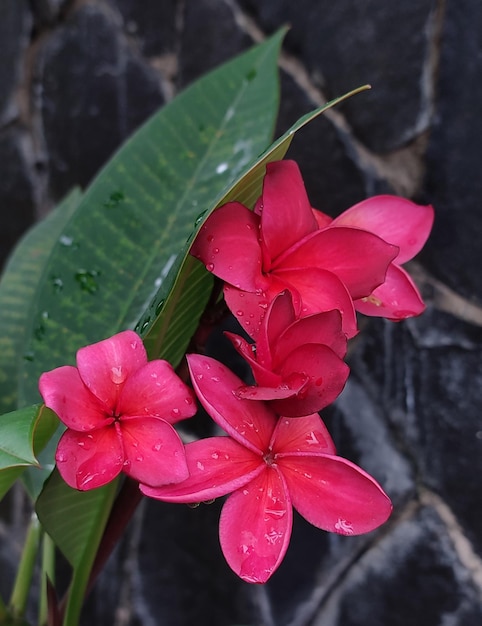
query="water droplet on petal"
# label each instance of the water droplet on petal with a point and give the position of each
(200, 466)
(139, 458)
(210, 267)
(175, 412)
(344, 527)
(210, 238)
(118, 375)
(156, 447)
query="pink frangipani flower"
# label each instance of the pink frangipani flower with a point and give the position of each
(270, 465)
(119, 410)
(402, 223)
(297, 363)
(279, 246)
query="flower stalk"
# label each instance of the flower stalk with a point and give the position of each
(21, 588)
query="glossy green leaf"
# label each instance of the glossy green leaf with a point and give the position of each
(23, 434)
(126, 232)
(17, 289)
(158, 325)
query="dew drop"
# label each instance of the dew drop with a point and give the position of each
(64, 240)
(200, 466)
(215, 456)
(240, 313)
(210, 238)
(117, 375)
(159, 307)
(188, 400)
(215, 379)
(210, 267)
(139, 458)
(61, 458)
(319, 381)
(175, 412)
(156, 447)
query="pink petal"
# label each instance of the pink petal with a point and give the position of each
(255, 527)
(397, 299)
(334, 494)
(64, 392)
(249, 423)
(291, 386)
(322, 219)
(106, 365)
(89, 460)
(154, 453)
(228, 246)
(279, 316)
(322, 291)
(325, 372)
(396, 220)
(358, 258)
(250, 308)
(217, 466)
(286, 215)
(261, 373)
(321, 328)
(156, 390)
(302, 434)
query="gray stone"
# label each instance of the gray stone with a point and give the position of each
(210, 36)
(351, 43)
(412, 576)
(17, 189)
(152, 23)
(454, 160)
(15, 27)
(94, 91)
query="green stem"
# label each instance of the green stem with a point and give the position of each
(48, 573)
(3, 611)
(21, 588)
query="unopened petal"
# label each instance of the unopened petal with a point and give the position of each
(89, 460)
(105, 366)
(325, 374)
(396, 220)
(156, 390)
(321, 328)
(249, 423)
(397, 299)
(322, 291)
(217, 466)
(228, 246)
(255, 527)
(334, 494)
(64, 392)
(286, 215)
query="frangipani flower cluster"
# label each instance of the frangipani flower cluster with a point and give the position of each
(294, 278)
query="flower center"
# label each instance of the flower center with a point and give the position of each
(269, 458)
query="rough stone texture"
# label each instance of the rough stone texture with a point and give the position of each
(15, 25)
(351, 43)
(454, 159)
(410, 414)
(17, 189)
(87, 73)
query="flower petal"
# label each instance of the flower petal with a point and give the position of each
(249, 423)
(156, 390)
(322, 219)
(334, 494)
(217, 466)
(106, 365)
(322, 291)
(292, 386)
(154, 453)
(279, 316)
(228, 246)
(64, 392)
(396, 220)
(250, 308)
(286, 215)
(255, 527)
(302, 434)
(326, 376)
(321, 328)
(89, 460)
(358, 258)
(262, 374)
(397, 299)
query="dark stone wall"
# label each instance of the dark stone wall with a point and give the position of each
(78, 76)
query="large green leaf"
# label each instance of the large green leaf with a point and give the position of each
(170, 308)
(123, 239)
(17, 289)
(23, 434)
(132, 221)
